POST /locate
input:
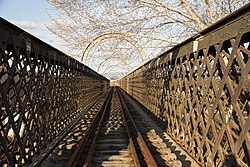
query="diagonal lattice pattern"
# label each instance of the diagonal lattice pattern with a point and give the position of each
(41, 91)
(200, 92)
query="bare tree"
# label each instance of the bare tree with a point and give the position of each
(126, 33)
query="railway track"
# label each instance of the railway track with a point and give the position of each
(109, 144)
(114, 132)
(112, 143)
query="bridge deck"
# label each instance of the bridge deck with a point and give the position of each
(198, 93)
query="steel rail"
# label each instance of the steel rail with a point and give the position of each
(131, 143)
(96, 133)
(73, 159)
(143, 146)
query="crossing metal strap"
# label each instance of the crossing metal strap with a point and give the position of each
(206, 80)
(41, 91)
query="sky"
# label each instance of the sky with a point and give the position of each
(31, 15)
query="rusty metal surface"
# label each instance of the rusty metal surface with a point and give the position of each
(200, 91)
(41, 91)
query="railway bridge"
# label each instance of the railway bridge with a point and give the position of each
(187, 107)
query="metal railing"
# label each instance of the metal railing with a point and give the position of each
(200, 91)
(41, 91)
